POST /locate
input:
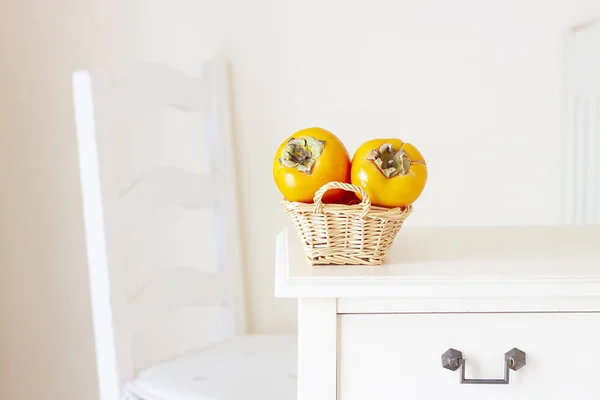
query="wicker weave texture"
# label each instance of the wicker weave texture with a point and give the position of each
(338, 234)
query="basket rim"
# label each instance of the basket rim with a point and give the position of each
(311, 205)
(375, 211)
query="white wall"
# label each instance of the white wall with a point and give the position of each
(465, 81)
(355, 67)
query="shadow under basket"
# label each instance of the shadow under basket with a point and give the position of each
(339, 234)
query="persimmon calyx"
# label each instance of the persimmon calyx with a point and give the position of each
(302, 153)
(391, 162)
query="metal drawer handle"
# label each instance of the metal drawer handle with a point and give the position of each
(514, 359)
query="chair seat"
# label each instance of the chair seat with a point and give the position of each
(247, 367)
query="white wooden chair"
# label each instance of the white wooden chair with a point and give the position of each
(163, 241)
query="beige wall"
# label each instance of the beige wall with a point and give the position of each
(295, 64)
(45, 326)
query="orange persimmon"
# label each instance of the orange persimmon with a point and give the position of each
(391, 172)
(306, 161)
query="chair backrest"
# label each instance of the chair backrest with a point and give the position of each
(157, 164)
(582, 144)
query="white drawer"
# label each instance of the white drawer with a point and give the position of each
(398, 356)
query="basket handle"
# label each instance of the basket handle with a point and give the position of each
(318, 199)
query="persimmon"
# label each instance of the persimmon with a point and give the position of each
(307, 160)
(391, 172)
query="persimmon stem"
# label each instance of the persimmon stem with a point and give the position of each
(391, 162)
(302, 153)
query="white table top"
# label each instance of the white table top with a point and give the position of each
(455, 262)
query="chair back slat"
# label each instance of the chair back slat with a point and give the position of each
(157, 85)
(172, 288)
(173, 186)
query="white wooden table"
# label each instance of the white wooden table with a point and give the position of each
(380, 332)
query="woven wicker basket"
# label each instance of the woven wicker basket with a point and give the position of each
(339, 234)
